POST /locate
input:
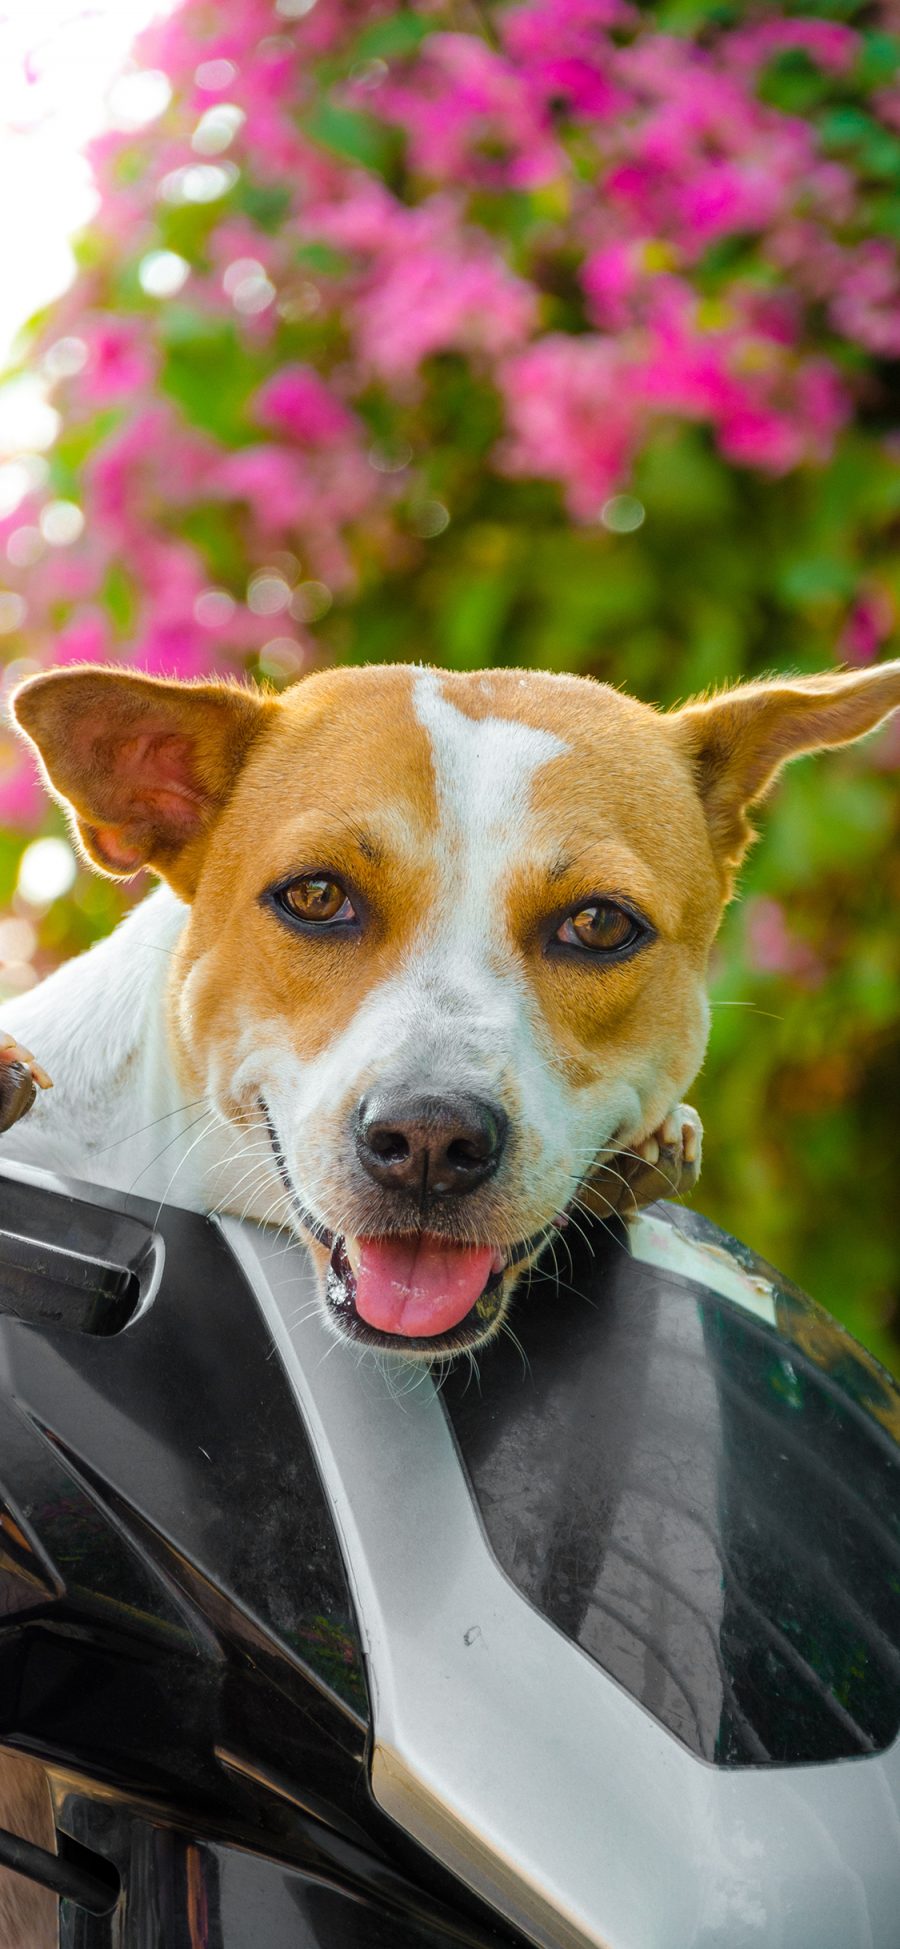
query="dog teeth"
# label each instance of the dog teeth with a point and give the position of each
(498, 1262)
(353, 1252)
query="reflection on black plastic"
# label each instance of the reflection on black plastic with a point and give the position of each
(198, 1893)
(64, 1262)
(709, 1508)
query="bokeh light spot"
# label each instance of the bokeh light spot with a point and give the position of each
(622, 513)
(25, 546)
(135, 100)
(430, 518)
(214, 608)
(13, 610)
(64, 358)
(311, 600)
(390, 459)
(198, 182)
(213, 75)
(217, 129)
(299, 301)
(61, 523)
(268, 594)
(162, 272)
(26, 419)
(14, 485)
(47, 870)
(281, 659)
(247, 285)
(18, 940)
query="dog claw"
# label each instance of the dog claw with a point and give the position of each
(20, 1078)
(665, 1164)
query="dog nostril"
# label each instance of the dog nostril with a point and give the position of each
(468, 1151)
(389, 1145)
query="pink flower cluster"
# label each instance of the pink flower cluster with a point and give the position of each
(607, 226)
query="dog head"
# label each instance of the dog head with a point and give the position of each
(448, 935)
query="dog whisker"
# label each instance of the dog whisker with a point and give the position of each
(211, 1119)
(142, 1128)
(207, 1118)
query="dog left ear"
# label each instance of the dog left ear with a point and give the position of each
(143, 767)
(737, 743)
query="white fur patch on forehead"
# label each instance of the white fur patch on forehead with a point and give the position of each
(483, 766)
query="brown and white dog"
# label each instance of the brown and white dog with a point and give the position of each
(430, 966)
(428, 970)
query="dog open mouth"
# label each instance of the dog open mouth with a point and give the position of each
(415, 1292)
(410, 1292)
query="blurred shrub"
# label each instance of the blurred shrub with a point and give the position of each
(561, 334)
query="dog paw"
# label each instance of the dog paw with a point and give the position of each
(664, 1165)
(667, 1164)
(20, 1078)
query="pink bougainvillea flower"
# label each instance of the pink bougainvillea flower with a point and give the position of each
(565, 48)
(274, 482)
(431, 284)
(436, 300)
(471, 116)
(613, 277)
(757, 436)
(572, 416)
(866, 301)
(830, 43)
(120, 363)
(297, 402)
(871, 623)
(22, 797)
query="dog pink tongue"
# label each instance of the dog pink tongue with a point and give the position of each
(419, 1286)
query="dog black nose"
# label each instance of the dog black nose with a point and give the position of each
(434, 1146)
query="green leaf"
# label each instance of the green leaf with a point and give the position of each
(120, 598)
(265, 204)
(810, 580)
(353, 135)
(388, 40)
(322, 259)
(471, 619)
(879, 62)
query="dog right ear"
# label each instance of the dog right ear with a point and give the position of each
(142, 766)
(737, 741)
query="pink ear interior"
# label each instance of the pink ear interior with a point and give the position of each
(142, 765)
(148, 788)
(153, 770)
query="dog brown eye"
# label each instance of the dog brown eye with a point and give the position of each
(316, 898)
(601, 926)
